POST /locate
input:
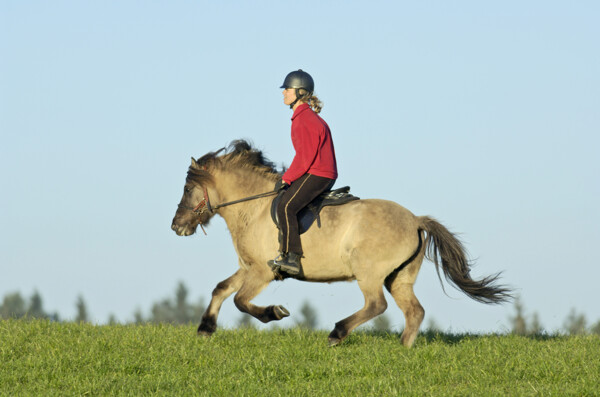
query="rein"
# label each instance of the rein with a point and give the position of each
(204, 205)
(266, 194)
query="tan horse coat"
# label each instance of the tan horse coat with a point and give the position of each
(375, 242)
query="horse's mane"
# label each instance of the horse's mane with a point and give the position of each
(240, 154)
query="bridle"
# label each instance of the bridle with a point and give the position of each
(204, 205)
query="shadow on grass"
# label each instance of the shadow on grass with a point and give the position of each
(428, 336)
(433, 336)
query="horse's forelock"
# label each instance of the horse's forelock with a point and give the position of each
(198, 176)
(208, 158)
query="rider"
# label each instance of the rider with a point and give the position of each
(313, 169)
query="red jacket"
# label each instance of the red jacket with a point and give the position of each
(313, 144)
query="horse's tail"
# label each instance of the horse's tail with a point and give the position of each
(443, 246)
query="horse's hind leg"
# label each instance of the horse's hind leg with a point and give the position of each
(257, 278)
(222, 291)
(413, 311)
(375, 305)
(400, 285)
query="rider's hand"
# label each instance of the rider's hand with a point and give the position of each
(280, 185)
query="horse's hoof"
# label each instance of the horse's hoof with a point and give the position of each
(334, 342)
(204, 334)
(207, 328)
(280, 312)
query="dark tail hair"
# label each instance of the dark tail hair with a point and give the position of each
(442, 245)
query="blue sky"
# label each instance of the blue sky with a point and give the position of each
(483, 115)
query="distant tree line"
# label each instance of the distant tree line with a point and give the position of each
(178, 310)
(15, 306)
(574, 324)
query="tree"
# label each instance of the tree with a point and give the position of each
(522, 326)
(36, 309)
(309, 316)
(178, 310)
(519, 324)
(432, 325)
(245, 321)
(575, 324)
(381, 323)
(184, 312)
(13, 306)
(82, 314)
(536, 327)
(596, 328)
(138, 317)
(162, 312)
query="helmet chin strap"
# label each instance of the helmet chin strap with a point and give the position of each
(298, 97)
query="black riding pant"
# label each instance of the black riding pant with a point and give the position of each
(301, 192)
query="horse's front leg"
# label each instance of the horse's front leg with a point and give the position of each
(257, 278)
(222, 291)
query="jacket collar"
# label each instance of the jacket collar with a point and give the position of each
(300, 109)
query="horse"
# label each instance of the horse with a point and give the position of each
(375, 242)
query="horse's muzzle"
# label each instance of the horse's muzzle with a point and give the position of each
(183, 230)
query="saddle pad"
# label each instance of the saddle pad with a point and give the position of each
(308, 214)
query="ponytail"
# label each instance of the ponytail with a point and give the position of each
(311, 99)
(315, 104)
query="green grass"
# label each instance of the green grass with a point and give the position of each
(43, 358)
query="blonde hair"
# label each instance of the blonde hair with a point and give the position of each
(311, 99)
(315, 103)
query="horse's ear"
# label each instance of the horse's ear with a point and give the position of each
(193, 162)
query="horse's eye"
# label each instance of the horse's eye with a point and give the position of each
(186, 189)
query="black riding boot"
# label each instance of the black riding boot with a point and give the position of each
(288, 263)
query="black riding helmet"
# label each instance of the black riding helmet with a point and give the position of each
(298, 80)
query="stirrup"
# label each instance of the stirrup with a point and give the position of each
(275, 263)
(290, 264)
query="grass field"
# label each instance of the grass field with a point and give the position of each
(43, 358)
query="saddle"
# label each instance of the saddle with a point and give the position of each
(310, 213)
